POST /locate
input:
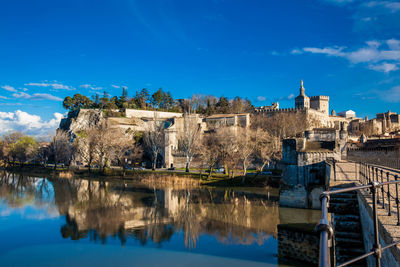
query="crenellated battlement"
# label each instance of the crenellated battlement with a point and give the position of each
(319, 97)
(281, 110)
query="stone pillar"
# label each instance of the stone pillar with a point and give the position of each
(169, 145)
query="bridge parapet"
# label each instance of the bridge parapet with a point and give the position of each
(379, 188)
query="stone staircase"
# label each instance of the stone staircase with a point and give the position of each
(347, 227)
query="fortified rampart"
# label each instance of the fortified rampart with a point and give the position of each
(151, 114)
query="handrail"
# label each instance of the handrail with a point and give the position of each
(376, 179)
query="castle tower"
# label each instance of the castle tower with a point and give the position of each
(320, 103)
(302, 101)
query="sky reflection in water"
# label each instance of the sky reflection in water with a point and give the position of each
(80, 222)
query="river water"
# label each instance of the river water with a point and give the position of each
(80, 222)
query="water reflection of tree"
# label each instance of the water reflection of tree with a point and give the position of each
(98, 210)
(232, 217)
(90, 210)
(17, 190)
(188, 220)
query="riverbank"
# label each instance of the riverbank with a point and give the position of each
(157, 177)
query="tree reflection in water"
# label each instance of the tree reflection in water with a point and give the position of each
(98, 210)
(17, 191)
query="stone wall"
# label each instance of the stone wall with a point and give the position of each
(300, 197)
(384, 157)
(293, 196)
(130, 113)
(298, 242)
(390, 257)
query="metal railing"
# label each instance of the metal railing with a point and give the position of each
(378, 180)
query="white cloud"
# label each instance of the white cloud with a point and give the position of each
(388, 5)
(115, 86)
(291, 96)
(286, 98)
(3, 97)
(393, 44)
(379, 56)
(9, 88)
(385, 67)
(37, 96)
(54, 85)
(86, 86)
(28, 123)
(6, 115)
(296, 51)
(261, 98)
(330, 51)
(92, 87)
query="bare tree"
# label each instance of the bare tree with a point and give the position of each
(207, 151)
(87, 147)
(189, 138)
(106, 144)
(227, 148)
(61, 148)
(246, 145)
(125, 147)
(268, 148)
(153, 139)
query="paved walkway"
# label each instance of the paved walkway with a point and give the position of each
(348, 172)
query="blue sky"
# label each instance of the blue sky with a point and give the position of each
(349, 50)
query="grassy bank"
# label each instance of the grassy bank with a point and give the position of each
(164, 177)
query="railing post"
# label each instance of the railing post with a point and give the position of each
(355, 170)
(369, 173)
(397, 200)
(334, 169)
(376, 248)
(388, 195)
(382, 189)
(326, 232)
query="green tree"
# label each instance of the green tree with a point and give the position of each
(23, 149)
(157, 99)
(168, 101)
(142, 98)
(104, 100)
(76, 102)
(68, 103)
(223, 105)
(123, 100)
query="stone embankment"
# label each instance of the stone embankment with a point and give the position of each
(298, 242)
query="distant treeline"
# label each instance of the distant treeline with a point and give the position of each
(160, 100)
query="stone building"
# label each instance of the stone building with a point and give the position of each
(314, 109)
(384, 123)
(274, 105)
(350, 114)
(302, 101)
(173, 156)
(304, 165)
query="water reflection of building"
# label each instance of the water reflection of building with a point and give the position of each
(151, 214)
(97, 210)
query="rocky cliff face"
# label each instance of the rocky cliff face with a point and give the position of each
(80, 119)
